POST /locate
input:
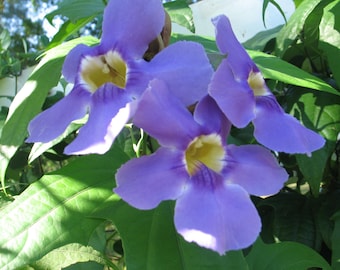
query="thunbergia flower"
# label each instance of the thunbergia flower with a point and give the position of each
(240, 90)
(109, 78)
(209, 180)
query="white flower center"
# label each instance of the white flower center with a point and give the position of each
(257, 83)
(207, 150)
(108, 68)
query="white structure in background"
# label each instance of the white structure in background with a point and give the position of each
(245, 17)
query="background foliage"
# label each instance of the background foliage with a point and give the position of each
(59, 212)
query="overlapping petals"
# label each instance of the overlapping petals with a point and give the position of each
(240, 90)
(210, 180)
(114, 75)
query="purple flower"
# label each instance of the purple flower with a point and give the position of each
(210, 180)
(239, 89)
(110, 77)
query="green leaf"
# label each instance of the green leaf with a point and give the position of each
(290, 216)
(260, 40)
(320, 112)
(67, 30)
(330, 38)
(291, 31)
(181, 14)
(5, 40)
(330, 204)
(335, 242)
(30, 99)
(284, 256)
(277, 69)
(71, 254)
(264, 8)
(150, 240)
(75, 10)
(207, 42)
(58, 209)
(313, 167)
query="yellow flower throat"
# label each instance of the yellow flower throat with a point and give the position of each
(206, 150)
(107, 68)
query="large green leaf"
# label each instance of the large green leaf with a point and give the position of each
(284, 256)
(320, 112)
(29, 100)
(71, 254)
(260, 40)
(329, 205)
(277, 69)
(67, 30)
(291, 31)
(207, 42)
(289, 216)
(150, 240)
(75, 10)
(330, 38)
(181, 14)
(335, 242)
(58, 209)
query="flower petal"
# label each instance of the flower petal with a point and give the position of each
(235, 98)
(72, 61)
(52, 122)
(164, 117)
(97, 135)
(228, 44)
(220, 219)
(280, 131)
(132, 25)
(186, 70)
(146, 181)
(255, 169)
(211, 118)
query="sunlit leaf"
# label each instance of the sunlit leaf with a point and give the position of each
(291, 31)
(68, 29)
(58, 209)
(71, 254)
(75, 10)
(5, 40)
(207, 42)
(330, 38)
(181, 14)
(277, 69)
(29, 100)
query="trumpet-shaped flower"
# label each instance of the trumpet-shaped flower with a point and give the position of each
(209, 180)
(240, 90)
(110, 77)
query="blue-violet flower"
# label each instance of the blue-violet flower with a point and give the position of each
(110, 77)
(240, 90)
(209, 180)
